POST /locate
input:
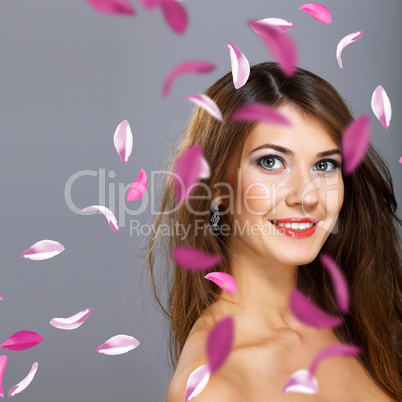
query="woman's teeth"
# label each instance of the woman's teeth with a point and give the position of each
(294, 226)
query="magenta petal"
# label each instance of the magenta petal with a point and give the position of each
(22, 340)
(206, 103)
(240, 66)
(72, 322)
(346, 41)
(281, 46)
(318, 11)
(1, 298)
(309, 313)
(123, 140)
(381, 106)
(25, 382)
(220, 343)
(148, 4)
(112, 6)
(262, 113)
(138, 187)
(3, 362)
(175, 15)
(339, 281)
(118, 345)
(108, 214)
(355, 142)
(197, 381)
(223, 280)
(42, 250)
(400, 159)
(191, 66)
(192, 259)
(301, 381)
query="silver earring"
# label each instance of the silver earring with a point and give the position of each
(215, 218)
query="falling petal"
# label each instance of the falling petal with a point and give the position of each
(25, 382)
(344, 42)
(262, 113)
(309, 313)
(206, 103)
(138, 188)
(148, 4)
(175, 15)
(223, 280)
(191, 66)
(1, 298)
(193, 259)
(240, 66)
(400, 159)
(123, 140)
(355, 142)
(317, 11)
(112, 6)
(197, 381)
(283, 25)
(3, 362)
(188, 170)
(108, 213)
(339, 281)
(42, 250)
(22, 340)
(72, 322)
(118, 345)
(220, 342)
(381, 106)
(281, 46)
(301, 381)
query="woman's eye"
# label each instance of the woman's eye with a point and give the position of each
(323, 165)
(269, 162)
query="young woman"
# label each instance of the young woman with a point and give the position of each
(262, 173)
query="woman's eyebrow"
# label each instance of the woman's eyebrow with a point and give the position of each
(287, 151)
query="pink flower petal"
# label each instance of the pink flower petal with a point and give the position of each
(3, 362)
(108, 214)
(191, 66)
(22, 340)
(219, 343)
(339, 281)
(281, 46)
(1, 298)
(123, 140)
(262, 113)
(197, 381)
(318, 11)
(138, 187)
(25, 382)
(148, 4)
(188, 170)
(72, 322)
(192, 259)
(175, 15)
(223, 280)
(206, 103)
(381, 106)
(240, 66)
(309, 313)
(112, 6)
(400, 159)
(43, 250)
(346, 41)
(301, 381)
(283, 25)
(118, 345)
(355, 142)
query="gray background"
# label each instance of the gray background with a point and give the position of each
(68, 76)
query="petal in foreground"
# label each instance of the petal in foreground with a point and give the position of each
(3, 363)
(240, 66)
(353, 37)
(72, 322)
(25, 382)
(112, 6)
(108, 214)
(175, 15)
(381, 106)
(206, 103)
(118, 345)
(197, 381)
(22, 340)
(123, 141)
(192, 259)
(43, 249)
(260, 112)
(283, 25)
(223, 280)
(138, 187)
(301, 381)
(317, 11)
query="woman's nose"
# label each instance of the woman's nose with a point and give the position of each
(303, 189)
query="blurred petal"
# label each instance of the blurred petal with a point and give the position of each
(197, 381)
(123, 140)
(148, 4)
(206, 103)
(339, 281)
(25, 382)
(281, 46)
(262, 113)
(118, 345)
(191, 66)
(112, 6)
(240, 66)
(108, 213)
(355, 142)
(22, 340)
(42, 250)
(3, 362)
(72, 322)
(138, 187)
(301, 381)
(344, 42)
(317, 11)
(283, 25)
(309, 313)
(400, 159)
(1, 298)
(381, 106)
(193, 259)
(175, 15)
(219, 343)
(223, 280)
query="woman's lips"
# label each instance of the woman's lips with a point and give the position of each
(296, 233)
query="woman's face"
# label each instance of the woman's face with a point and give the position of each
(294, 183)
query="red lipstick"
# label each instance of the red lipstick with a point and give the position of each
(296, 233)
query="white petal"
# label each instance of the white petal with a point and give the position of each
(278, 22)
(72, 322)
(43, 249)
(25, 382)
(197, 381)
(206, 103)
(118, 345)
(108, 214)
(240, 66)
(381, 106)
(344, 42)
(123, 140)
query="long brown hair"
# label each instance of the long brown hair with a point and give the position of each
(366, 245)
